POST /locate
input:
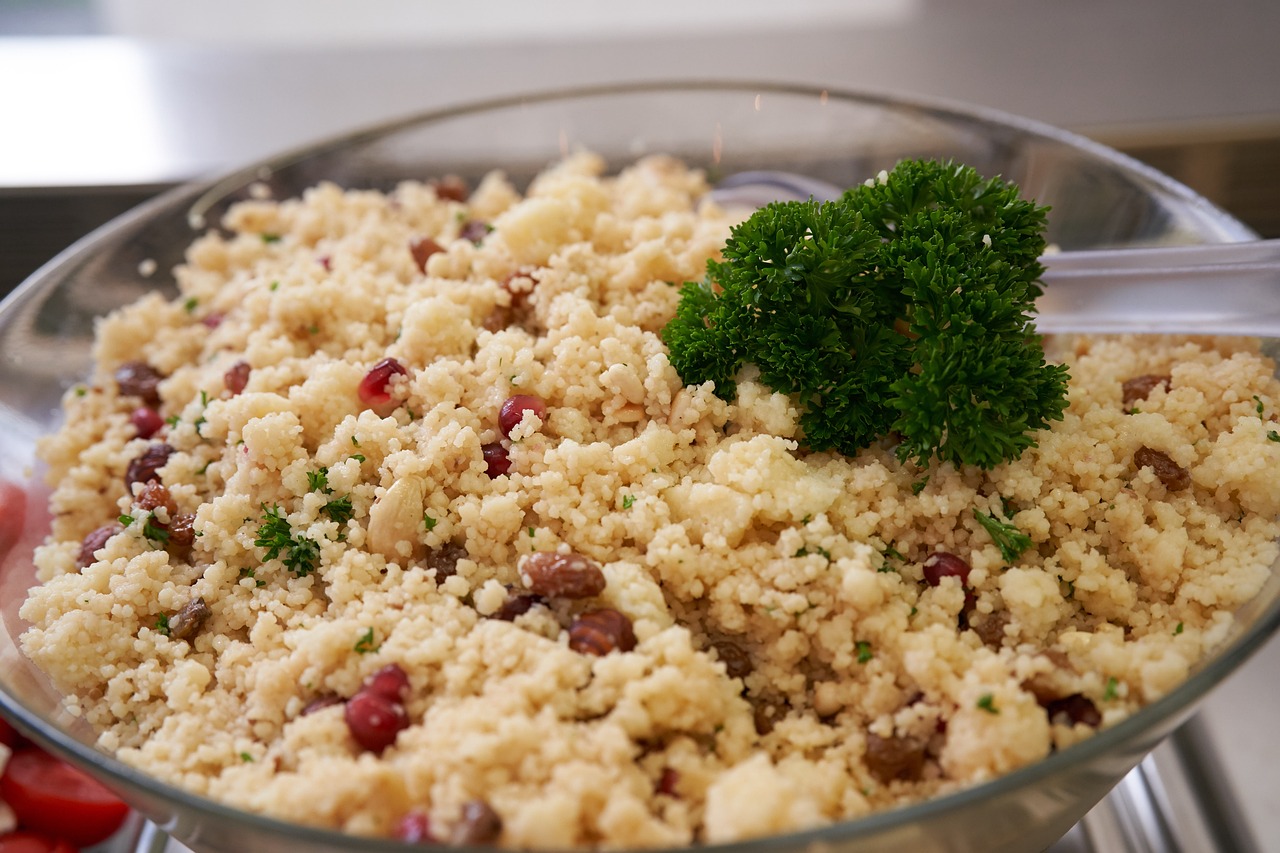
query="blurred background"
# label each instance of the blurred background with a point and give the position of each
(105, 102)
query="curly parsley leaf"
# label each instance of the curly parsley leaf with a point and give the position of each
(1009, 539)
(300, 554)
(339, 509)
(903, 307)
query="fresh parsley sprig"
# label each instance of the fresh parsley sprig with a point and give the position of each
(903, 307)
(300, 554)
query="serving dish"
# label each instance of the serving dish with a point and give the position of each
(1099, 199)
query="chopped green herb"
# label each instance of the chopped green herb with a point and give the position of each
(890, 552)
(162, 624)
(918, 486)
(1113, 685)
(270, 238)
(359, 457)
(300, 554)
(173, 420)
(155, 532)
(902, 307)
(275, 285)
(807, 518)
(1009, 539)
(318, 481)
(313, 329)
(987, 702)
(355, 441)
(191, 304)
(628, 501)
(126, 520)
(532, 532)
(80, 390)
(339, 509)
(365, 644)
(246, 757)
(864, 651)
(429, 522)
(1261, 408)
(1178, 629)
(203, 468)
(1134, 411)
(1272, 435)
(914, 611)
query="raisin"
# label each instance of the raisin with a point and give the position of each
(415, 828)
(499, 318)
(139, 379)
(1140, 387)
(517, 604)
(187, 622)
(941, 565)
(182, 535)
(496, 459)
(896, 757)
(1173, 475)
(144, 468)
(94, 541)
(480, 824)
(451, 188)
(445, 560)
(668, 782)
(152, 496)
(1072, 710)
(562, 575)
(598, 632)
(990, 627)
(237, 377)
(474, 230)
(422, 249)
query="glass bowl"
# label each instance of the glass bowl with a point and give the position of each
(1098, 197)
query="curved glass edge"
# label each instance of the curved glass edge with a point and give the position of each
(1135, 731)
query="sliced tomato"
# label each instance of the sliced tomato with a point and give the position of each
(50, 796)
(33, 842)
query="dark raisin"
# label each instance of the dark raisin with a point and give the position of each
(152, 496)
(499, 318)
(517, 604)
(989, 627)
(520, 285)
(237, 377)
(182, 535)
(320, 703)
(896, 757)
(1073, 709)
(598, 632)
(445, 560)
(144, 468)
(765, 716)
(94, 541)
(1173, 475)
(474, 230)
(187, 622)
(562, 575)
(1140, 387)
(139, 379)
(736, 660)
(422, 249)
(941, 565)
(496, 458)
(479, 824)
(668, 782)
(451, 188)
(146, 421)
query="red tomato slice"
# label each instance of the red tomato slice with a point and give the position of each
(31, 842)
(50, 796)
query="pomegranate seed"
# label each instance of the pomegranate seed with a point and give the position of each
(95, 540)
(375, 388)
(667, 782)
(325, 262)
(214, 320)
(941, 565)
(237, 377)
(374, 720)
(514, 408)
(390, 682)
(423, 249)
(474, 230)
(146, 421)
(415, 828)
(497, 458)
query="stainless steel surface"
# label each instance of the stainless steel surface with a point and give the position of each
(1098, 198)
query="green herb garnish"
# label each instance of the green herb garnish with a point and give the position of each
(300, 554)
(1178, 629)
(162, 624)
(987, 702)
(864, 651)
(1009, 539)
(270, 238)
(1112, 687)
(429, 522)
(365, 644)
(339, 509)
(155, 532)
(628, 501)
(191, 304)
(901, 307)
(318, 481)
(126, 520)
(1272, 435)
(246, 757)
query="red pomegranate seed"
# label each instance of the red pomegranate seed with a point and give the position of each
(514, 408)
(146, 421)
(941, 565)
(374, 720)
(237, 377)
(375, 388)
(325, 262)
(214, 320)
(497, 458)
(415, 828)
(474, 230)
(667, 782)
(390, 682)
